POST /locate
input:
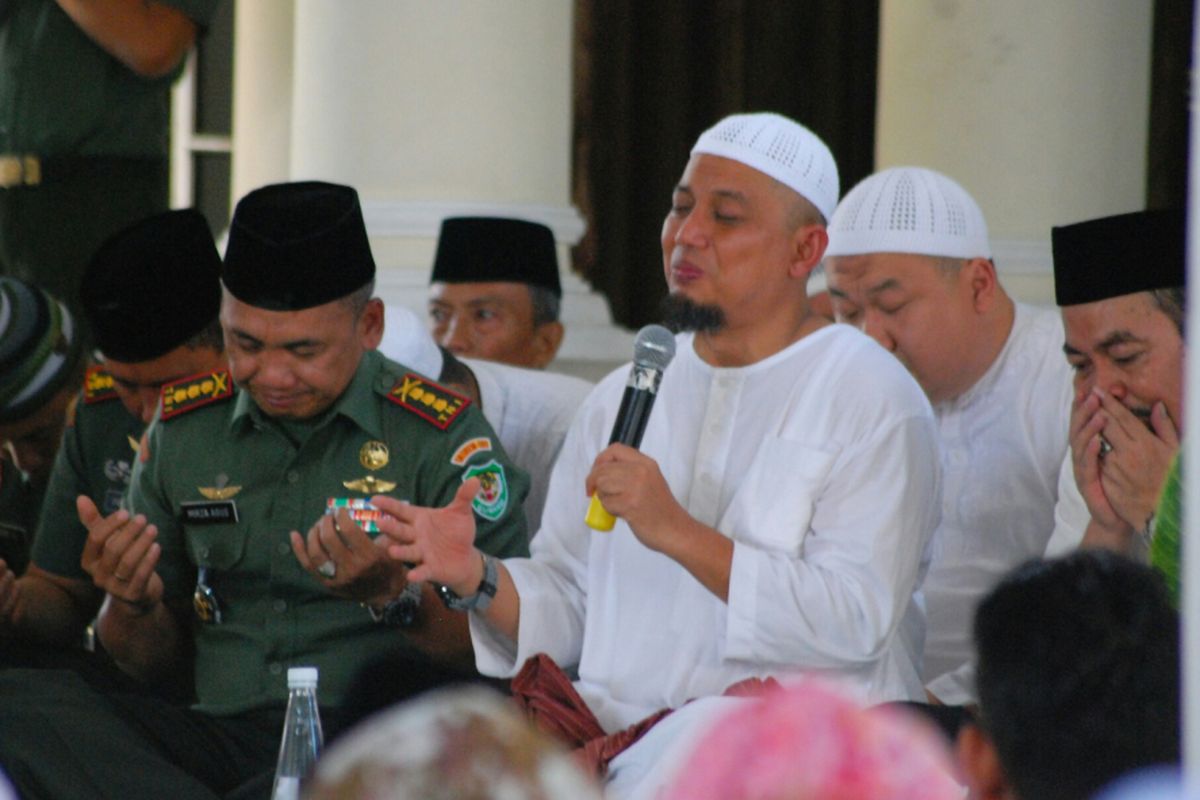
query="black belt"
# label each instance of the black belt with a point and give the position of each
(17, 169)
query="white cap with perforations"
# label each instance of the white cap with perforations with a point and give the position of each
(781, 148)
(908, 210)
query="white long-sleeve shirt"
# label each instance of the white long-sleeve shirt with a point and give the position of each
(820, 462)
(1002, 443)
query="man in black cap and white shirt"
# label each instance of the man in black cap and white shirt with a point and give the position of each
(494, 292)
(210, 573)
(1120, 283)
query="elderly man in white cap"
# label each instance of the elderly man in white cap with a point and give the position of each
(773, 521)
(910, 264)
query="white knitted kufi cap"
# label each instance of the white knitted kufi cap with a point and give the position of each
(777, 146)
(908, 210)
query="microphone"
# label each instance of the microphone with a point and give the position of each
(652, 351)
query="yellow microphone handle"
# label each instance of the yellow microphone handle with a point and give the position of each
(597, 517)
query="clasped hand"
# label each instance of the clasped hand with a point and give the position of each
(1120, 464)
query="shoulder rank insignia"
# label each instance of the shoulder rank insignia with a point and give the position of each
(188, 394)
(436, 404)
(98, 385)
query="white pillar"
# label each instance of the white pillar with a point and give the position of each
(439, 109)
(1039, 109)
(262, 93)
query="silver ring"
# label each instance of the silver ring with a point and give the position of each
(1105, 447)
(328, 570)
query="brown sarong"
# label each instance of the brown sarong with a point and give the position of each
(550, 701)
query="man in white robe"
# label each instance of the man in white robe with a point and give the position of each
(909, 262)
(777, 516)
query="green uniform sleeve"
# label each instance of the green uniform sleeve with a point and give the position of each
(470, 448)
(61, 536)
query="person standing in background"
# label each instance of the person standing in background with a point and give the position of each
(84, 111)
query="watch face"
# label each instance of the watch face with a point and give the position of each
(402, 612)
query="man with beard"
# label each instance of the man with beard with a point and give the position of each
(774, 521)
(1120, 283)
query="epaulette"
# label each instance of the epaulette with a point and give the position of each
(188, 394)
(435, 404)
(98, 385)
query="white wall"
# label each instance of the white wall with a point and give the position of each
(1038, 108)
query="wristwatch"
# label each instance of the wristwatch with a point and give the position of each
(400, 611)
(483, 595)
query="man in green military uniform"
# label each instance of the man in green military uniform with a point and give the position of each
(151, 294)
(209, 570)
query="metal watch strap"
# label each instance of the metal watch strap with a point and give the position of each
(483, 595)
(400, 611)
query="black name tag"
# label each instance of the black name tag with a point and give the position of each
(209, 512)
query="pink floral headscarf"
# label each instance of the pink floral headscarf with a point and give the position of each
(808, 742)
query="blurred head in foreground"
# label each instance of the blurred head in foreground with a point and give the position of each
(465, 743)
(809, 742)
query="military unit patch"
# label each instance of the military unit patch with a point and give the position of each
(188, 394)
(491, 500)
(480, 444)
(98, 385)
(433, 403)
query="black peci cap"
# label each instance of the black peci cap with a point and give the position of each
(482, 249)
(1114, 256)
(297, 245)
(152, 286)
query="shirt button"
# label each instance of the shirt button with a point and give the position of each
(284, 548)
(203, 552)
(279, 605)
(275, 668)
(293, 476)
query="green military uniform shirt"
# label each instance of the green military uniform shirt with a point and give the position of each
(19, 503)
(96, 459)
(225, 484)
(62, 95)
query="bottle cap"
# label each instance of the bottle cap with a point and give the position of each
(302, 677)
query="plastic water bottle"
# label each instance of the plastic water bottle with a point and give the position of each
(302, 738)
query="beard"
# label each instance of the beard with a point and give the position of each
(682, 315)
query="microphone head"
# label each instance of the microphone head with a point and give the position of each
(654, 347)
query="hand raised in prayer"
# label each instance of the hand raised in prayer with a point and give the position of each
(438, 543)
(121, 555)
(350, 564)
